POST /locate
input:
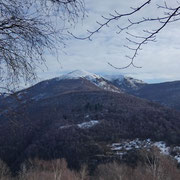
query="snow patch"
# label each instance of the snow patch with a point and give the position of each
(162, 147)
(87, 116)
(89, 124)
(84, 125)
(127, 145)
(177, 157)
(65, 127)
(104, 85)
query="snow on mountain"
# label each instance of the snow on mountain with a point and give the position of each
(134, 83)
(88, 124)
(117, 81)
(97, 80)
(107, 82)
(84, 125)
(121, 78)
(125, 82)
(44, 89)
(123, 147)
(79, 74)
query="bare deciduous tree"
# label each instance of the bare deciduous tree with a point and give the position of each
(156, 166)
(28, 28)
(46, 170)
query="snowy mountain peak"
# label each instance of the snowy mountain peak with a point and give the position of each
(134, 83)
(121, 78)
(107, 82)
(79, 74)
(125, 82)
(97, 80)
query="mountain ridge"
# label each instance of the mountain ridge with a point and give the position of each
(167, 93)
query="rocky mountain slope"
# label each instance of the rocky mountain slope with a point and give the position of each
(79, 116)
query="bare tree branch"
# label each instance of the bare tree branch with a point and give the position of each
(171, 14)
(112, 17)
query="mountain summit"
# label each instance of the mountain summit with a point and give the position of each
(79, 74)
(95, 79)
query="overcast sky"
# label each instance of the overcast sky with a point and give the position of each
(160, 61)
